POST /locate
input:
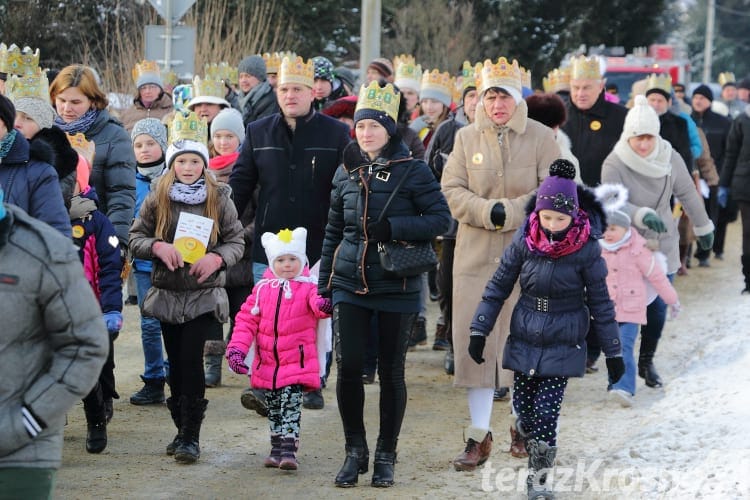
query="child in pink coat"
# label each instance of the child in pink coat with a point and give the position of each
(280, 317)
(630, 264)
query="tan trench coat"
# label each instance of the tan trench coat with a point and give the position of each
(479, 173)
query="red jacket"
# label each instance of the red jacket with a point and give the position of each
(281, 317)
(628, 268)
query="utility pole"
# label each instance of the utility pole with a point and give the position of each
(370, 35)
(708, 50)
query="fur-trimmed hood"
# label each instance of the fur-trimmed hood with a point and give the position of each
(589, 204)
(50, 145)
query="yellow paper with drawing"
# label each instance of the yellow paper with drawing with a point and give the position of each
(192, 235)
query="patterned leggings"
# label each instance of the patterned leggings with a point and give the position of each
(284, 410)
(537, 401)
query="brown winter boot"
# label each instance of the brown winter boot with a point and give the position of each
(518, 440)
(477, 449)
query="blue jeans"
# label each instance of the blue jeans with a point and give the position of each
(150, 333)
(628, 334)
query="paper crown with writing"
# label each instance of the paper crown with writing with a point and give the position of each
(273, 60)
(726, 78)
(468, 76)
(407, 72)
(383, 99)
(500, 74)
(14, 61)
(296, 70)
(585, 68)
(34, 85)
(222, 71)
(557, 80)
(188, 127)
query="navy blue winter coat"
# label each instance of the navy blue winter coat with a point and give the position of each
(418, 212)
(572, 289)
(294, 170)
(30, 182)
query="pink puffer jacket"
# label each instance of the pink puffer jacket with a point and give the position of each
(627, 268)
(281, 317)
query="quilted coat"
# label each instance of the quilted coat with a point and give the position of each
(281, 317)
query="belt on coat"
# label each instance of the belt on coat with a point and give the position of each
(547, 304)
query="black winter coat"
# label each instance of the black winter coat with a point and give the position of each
(593, 133)
(736, 171)
(418, 212)
(716, 128)
(674, 129)
(294, 171)
(552, 343)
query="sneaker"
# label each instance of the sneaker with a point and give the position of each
(368, 378)
(719, 256)
(313, 400)
(624, 398)
(132, 300)
(441, 345)
(591, 366)
(501, 394)
(152, 393)
(704, 263)
(255, 399)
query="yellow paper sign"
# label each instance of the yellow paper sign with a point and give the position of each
(192, 235)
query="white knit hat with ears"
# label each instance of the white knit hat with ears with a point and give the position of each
(285, 242)
(641, 120)
(183, 146)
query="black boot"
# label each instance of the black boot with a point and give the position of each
(355, 463)
(96, 420)
(646, 368)
(746, 273)
(174, 409)
(382, 467)
(152, 392)
(192, 411)
(541, 462)
(288, 453)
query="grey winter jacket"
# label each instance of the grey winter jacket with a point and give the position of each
(53, 342)
(113, 173)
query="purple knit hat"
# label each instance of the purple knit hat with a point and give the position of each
(559, 191)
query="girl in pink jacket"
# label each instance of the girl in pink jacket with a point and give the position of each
(630, 264)
(279, 319)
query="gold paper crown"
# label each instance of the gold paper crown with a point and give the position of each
(525, 77)
(222, 71)
(145, 68)
(15, 61)
(380, 99)
(726, 77)
(586, 68)
(33, 85)
(208, 87)
(662, 82)
(273, 61)
(468, 76)
(503, 73)
(556, 80)
(407, 72)
(170, 78)
(296, 70)
(439, 82)
(188, 128)
(82, 146)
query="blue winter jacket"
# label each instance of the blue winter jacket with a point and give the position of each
(560, 299)
(361, 188)
(31, 183)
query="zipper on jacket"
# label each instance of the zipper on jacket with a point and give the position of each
(276, 337)
(363, 259)
(265, 213)
(301, 356)
(333, 266)
(313, 169)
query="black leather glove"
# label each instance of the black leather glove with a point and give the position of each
(476, 346)
(615, 369)
(498, 214)
(379, 231)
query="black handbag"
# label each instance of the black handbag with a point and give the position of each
(405, 258)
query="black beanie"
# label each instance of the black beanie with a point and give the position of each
(7, 112)
(705, 91)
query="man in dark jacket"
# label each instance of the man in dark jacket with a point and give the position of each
(673, 128)
(716, 128)
(256, 96)
(594, 125)
(291, 158)
(54, 344)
